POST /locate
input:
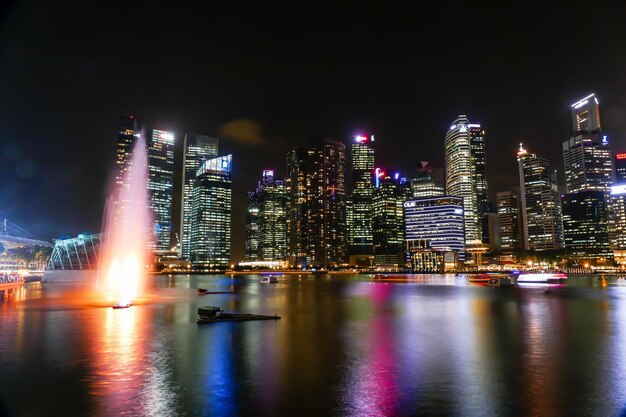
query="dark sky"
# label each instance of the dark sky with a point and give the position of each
(274, 76)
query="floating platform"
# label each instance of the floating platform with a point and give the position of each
(211, 314)
(202, 291)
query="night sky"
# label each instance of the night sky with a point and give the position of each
(275, 76)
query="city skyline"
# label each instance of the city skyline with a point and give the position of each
(521, 91)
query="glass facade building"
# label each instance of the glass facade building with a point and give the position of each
(461, 173)
(160, 184)
(542, 218)
(585, 225)
(507, 207)
(266, 220)
(211, 214)
(196, 150)
(126, 137)
(427, 181)
(360, 227)
(316, 205)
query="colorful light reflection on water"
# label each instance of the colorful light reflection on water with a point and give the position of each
(345, 346)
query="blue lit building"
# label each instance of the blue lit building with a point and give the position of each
(434, 231)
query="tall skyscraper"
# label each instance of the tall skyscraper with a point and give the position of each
(196, 150)
(461, 174)
(508, 220)
(389, 195)
(427, 181)
(360, 229)
(160, 182)
(586, 115)
(316, 204)
(542, 218)
(211, 214)
(126, 137)
(585, 225)
(434, 230)
(266, 224)
(477, 142)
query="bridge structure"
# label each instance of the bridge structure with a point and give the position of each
(77, 253)
(13, 236)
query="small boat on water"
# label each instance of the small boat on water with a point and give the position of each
(203, 291)
(121, 305)
(500, 282)
(542, 278)
(484, 278)
(211, 314)
(270, 279)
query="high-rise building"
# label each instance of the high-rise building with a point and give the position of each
(316, 205)
(461, 172)
(211, 214)
(388, 198)
(360, 228)
(620, 168)
(477, 142)
(427, 181)
(542, 218)
(586, 115)
(585, 225)
(508, 220)
(266, 223)
(160, 184)
(126, 137)
(196, 150)
(434, 229)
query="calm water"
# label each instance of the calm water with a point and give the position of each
(345, 346)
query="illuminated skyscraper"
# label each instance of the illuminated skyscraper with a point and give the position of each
(211, 214)
(477, 141)
(266, 222)
(427, 181)
(586, 115)
(316, 204)
(585, 225)
(620, 168)
(160, 182)
(540, 203)
(360, 228)
(461, 172)
(508, 220)
(126, 137)
(390, 193)
(196, 150)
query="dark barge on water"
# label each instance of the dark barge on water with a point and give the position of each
(210, 314)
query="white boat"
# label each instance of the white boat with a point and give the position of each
(271, 279)
(542, 278)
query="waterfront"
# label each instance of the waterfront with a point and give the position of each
(433, 345)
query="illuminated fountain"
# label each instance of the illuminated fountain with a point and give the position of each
(121, 274)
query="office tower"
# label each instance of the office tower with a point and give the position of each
(434, 231)
(586, 115)
(540, 203)
(461, 177)
(389, 194)
(266, 223)
(587, 155)
(620, 168)
(360, 229)
(316, 205)
(196, 150)
(427, 181)
(126, 137)
(477, 142)
(160, 182)
(211, 214)
(508, 221)
(585, 225)
(252, 228)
